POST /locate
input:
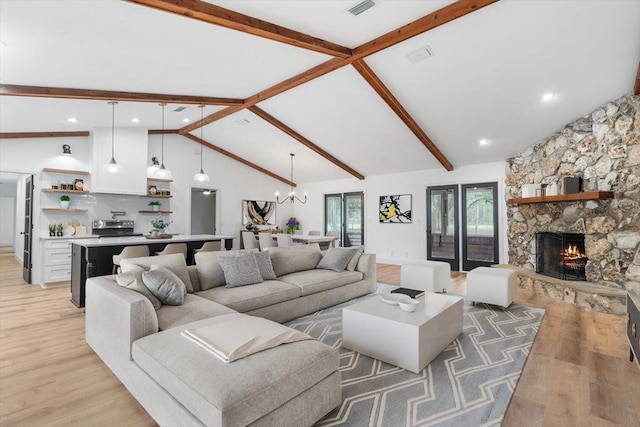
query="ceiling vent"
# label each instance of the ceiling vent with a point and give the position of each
(177, 110)
(243, 122)
(361, 7)
(420, 54)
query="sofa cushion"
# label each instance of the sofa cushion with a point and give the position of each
(251, 297)
(237, 393)
(210, 274)
(354, 261)
(265, 266)
(194, 308)
(337, 259)
(240, 270)
(165, 285)
(312, 281)
(130, 281)
(290, 259)
(174, 263)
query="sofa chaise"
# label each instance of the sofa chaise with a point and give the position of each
(179, 384)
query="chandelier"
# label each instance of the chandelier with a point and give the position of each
(292, 194)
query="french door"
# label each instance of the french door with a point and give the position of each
(479, 225)
(462, 225)
(344, 215)
(442, 225)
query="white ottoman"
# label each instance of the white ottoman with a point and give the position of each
(428, 276)
(497, 286)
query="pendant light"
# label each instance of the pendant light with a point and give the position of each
(163, 172)
(112, 166)
(292, 194)
(201, 176)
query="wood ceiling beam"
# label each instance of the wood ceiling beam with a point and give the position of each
(304, 141)
(367, 73)
(217, 15)
(419, 26)
(238, 159)
(163, 132)
(17, 135)
(636, 87)
(107, 95)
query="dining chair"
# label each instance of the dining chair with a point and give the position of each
(129, 252)
(336, 242)
(266, 240)
(284, 239)
(249, 240)
(315, 233)
(174, 248)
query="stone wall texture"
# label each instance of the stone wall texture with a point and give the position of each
(604, 148)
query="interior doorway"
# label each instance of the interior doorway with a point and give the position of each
(16, 208)
(203, 210)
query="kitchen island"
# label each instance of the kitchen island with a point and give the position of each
(94, 257)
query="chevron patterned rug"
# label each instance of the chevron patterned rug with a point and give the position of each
(469, 384)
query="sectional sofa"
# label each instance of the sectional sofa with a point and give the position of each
(179, 384)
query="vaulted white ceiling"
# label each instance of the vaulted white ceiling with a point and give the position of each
(486, 80)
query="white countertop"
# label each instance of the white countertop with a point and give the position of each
(86, 236)
(141, 240)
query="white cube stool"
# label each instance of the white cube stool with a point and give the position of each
(497, 286)
(429, 276)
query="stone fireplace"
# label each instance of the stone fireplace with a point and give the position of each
(604, 149)
(561, 255)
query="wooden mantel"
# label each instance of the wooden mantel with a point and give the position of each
(575, 197)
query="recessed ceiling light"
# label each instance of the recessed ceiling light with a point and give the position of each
(135, 120)
(72, 120)
(186, 120)
(483, 142)
(548, 97)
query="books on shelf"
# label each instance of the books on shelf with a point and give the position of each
(413, 293)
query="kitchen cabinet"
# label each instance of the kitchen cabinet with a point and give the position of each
(57, 260)
(130, 151)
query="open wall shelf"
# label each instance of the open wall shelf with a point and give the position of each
(51, 190)
(64, 210)
(67, 171)
(576, 197)
(156, 212)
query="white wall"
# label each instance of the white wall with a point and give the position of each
(233, 181)
(396, 243)
(7, 220)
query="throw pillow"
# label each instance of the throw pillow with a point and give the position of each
(174, 263)
(356, 257)
(210, 273)
(240, 270)
(337, 259)
(264, 265)
(165, 285)
(129, 281)
(291, 259)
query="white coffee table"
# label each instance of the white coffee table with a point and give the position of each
(408, 340)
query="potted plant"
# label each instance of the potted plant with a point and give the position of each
(52, 230)
(155, 205)
(292, 225)
(60, 227)
(64, 201)
(251, 226)
(159, 225)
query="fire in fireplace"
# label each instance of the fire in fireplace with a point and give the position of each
(561, 255)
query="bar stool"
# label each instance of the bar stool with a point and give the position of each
(207, 247)
(129, 252)
(266, 240)
(249, 240)
(174, 248)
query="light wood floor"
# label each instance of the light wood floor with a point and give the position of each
(577, 373)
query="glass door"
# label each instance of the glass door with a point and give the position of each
(442, 225)
(344, 215)
(479, 225)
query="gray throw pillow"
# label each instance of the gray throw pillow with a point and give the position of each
(337, 259)
(356, 257)
(129, 281)
(165, 285)
(240, 270)
(264, 265)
